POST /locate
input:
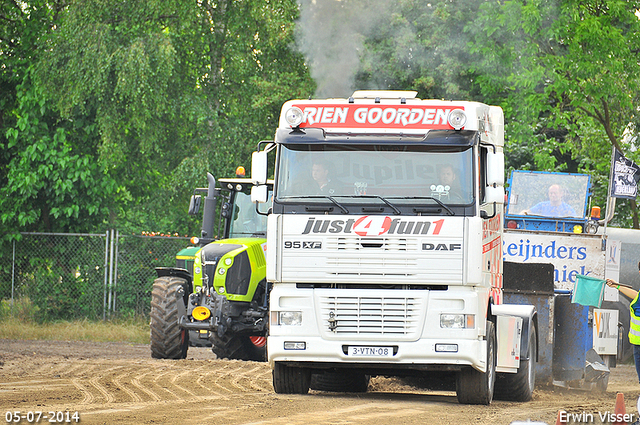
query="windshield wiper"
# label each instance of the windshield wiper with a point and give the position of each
(437, 201)
(331, 198)
(393, 207)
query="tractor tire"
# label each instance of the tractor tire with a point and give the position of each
(340, 382)
(291, 380)
(519, 386)
(238, 347)
(168, 341)
(473, 386)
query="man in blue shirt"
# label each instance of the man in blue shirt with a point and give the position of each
(554, 207)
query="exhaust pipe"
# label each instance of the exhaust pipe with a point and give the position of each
(209, 215)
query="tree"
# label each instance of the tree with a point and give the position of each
(127, 105)
(567, 76)
(49, 176)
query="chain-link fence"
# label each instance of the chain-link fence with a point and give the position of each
(93, 276)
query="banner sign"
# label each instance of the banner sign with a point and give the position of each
(570, 254)
(376, 116)
(625, 176)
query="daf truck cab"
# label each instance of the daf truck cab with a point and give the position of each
(384, 246)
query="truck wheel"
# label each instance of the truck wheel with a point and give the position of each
(168, 341)
(291, 380)
(519, 386)
(340, 382)
(475, 387)
(237, 347)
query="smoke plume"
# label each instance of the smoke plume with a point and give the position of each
(330, 33)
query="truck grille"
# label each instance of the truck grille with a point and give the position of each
(371, 317)
(355, 243)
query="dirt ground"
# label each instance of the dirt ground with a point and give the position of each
(119, 383)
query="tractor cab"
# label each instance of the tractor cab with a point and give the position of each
(551, 202)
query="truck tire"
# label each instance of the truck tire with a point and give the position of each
(168, 341)
(291, 380)
(340, 382)
(237, 347)
(473, 386)
(519, 386)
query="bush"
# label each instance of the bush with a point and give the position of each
(23, 310)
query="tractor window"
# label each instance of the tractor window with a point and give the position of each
(547, 194)
(246, 222)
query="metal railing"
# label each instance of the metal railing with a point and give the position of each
(84, 275)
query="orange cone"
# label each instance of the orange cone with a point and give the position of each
(619, 410)
(558, 420)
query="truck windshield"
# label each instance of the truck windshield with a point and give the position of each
(246, 221)
(397, 174)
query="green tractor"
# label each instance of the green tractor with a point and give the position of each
(217, 294)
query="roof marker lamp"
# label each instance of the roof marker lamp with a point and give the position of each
(457, 119)
(293, 116)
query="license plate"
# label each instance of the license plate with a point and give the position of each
(371, 351)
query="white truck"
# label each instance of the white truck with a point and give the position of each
(384, 247)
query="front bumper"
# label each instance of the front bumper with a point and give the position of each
(421, 354)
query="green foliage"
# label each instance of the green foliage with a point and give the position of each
(62, 276)
(422, 46)
(112, 112)
(21, 309)
(567, 77)
(145, 97)
(52, 181)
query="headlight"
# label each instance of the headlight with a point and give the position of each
(457, 119)
(293, 116)
(289, 318)
(458, 321)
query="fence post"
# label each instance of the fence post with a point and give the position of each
(115, 271)
(106, 265)
(13, 275)
(111, 301)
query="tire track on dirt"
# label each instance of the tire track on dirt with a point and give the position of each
(136, 383)
(88, 398)
(217, 376)
(108, 397)
(209, 389)
(234, 378)
(117, 380)
(102, 389)
(252, 378)
(179, 378)
(160, 378)
(391, 412)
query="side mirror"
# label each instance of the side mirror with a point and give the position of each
(194, 204)
(259, 168)
(495, 168)
(259, 194)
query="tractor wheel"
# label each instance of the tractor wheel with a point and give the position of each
(168, 341)
(473, 386)
(239, 347)
(291, 380)
(342, 381)
(519, 386)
